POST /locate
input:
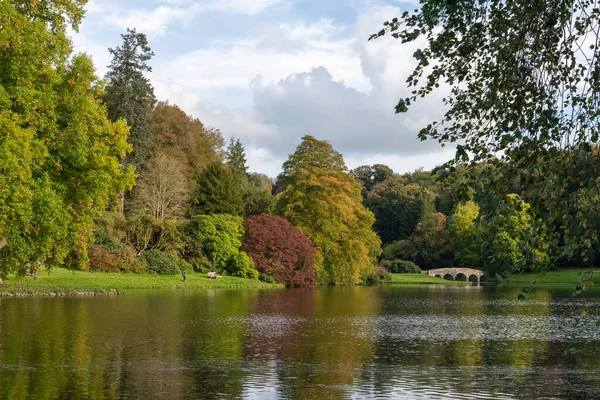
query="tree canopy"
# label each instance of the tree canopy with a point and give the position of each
(323, 201)
(59, 153)
(130, 96)
(279, 250)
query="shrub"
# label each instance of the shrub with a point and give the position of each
(376, 276)
(128, 262)
(101, 260)
(401, 267)
(241, 265)
(201, 264)
(401, 249)
(279, 251)
(219, 237)
(160, 262)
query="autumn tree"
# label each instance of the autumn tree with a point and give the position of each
(323, 202)
(130, 96)
(311, 153)
(162, 190)
(59, 153)
(180, 136)
(280, 251)
(466, 235)
(217, 192)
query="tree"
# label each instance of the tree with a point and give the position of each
(217, 192)
(280, 251)
(130, 96)
(323, 202)
(513, 240)
(466, 234)
(310, 153)
(59, 154)
(161, 192)
(236, 160)
(220, 236)
(523, 81)
(397, 206)
(369, 176)
(185, 138)
(431, 240)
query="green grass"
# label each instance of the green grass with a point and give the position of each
(570, 275)
(61, 281)
(424, 279)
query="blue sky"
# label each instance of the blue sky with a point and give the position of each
(270, 71)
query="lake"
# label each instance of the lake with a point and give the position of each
(390, 341)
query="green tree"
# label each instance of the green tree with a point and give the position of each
(369, 176)
(522, 82)
(513, 240)
(130, 96)
(59, 153)
(397, 206)
(466, 234)
(236, 160)
(323, 202)
(217, 192)
(431, 240)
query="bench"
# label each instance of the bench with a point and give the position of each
(213, 275)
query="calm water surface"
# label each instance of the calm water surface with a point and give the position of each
(359, 342)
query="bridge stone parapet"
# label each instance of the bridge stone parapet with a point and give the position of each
(458, 274)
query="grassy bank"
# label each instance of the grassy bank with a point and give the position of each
(570, 275)
(423, 279)
(65, 282)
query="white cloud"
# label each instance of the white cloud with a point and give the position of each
(155, 22)
(274, 53)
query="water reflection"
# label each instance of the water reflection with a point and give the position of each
(385, 342)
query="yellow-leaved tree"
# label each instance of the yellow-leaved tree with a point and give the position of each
(323, 201)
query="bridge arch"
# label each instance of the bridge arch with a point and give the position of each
(459, 274)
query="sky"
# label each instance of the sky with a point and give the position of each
(271, 71)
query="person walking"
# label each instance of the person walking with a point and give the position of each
(184, 275)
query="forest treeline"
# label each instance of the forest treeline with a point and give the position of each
(98, 174)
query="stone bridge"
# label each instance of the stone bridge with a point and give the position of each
(458, 274)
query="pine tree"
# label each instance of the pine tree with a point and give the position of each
(236, 159)
(130, 96)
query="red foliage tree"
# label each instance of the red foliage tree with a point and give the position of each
(279, 250)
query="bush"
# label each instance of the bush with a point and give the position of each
(376, 275)
(241, 265)
(160, 262)
(401, 267)
(127, 261)
(402, 249)
(101, 260)
(201, 264)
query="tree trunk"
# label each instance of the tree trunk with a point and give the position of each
(2, 243)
